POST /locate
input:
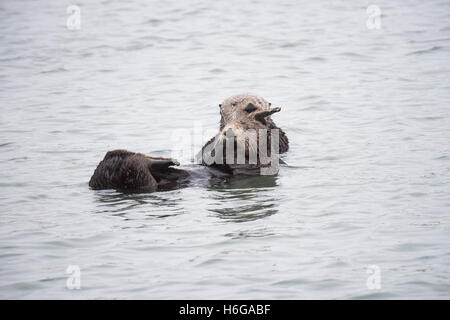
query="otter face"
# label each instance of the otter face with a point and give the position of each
(241, 107)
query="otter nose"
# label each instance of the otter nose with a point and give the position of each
(250, 107)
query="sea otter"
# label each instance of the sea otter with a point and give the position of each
(244, 142)
(243, 146)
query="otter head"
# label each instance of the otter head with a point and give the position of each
(245, 107)
(244, 141)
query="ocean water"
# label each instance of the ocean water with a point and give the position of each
(360, 212)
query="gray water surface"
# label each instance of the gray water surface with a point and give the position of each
(367, 115)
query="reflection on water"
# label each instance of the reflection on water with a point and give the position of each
(226, 193)
(242, 199)
(244, 182)
(119, 204)
(243, 213)
(250, 233)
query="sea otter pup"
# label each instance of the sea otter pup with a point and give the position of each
(248, 139)
(244, 121)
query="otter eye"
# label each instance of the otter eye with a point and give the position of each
(234, 104)
(270, 104)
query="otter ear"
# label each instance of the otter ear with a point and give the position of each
(163, 164)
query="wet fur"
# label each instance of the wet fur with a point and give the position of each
(234, 115)
(126, 170)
